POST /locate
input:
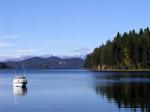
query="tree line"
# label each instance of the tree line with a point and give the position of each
(131, 50)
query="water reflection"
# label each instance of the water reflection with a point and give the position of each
(20, 91)
(125, 92)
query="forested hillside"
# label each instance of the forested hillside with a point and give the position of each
(39, 63)
(129, 51)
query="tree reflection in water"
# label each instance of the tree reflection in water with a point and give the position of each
(127, 94)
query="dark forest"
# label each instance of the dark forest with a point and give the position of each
(129, 51)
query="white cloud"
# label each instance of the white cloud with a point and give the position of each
(83, 50)
(3, 44)
(25, 51)
(18, 53)
(10, 36)
(63, 42)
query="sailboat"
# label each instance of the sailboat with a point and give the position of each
(20, 80)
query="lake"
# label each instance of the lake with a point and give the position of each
(76, 91)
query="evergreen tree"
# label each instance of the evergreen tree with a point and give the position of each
(127, 50)
(126, 60)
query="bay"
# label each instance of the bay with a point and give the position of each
(76, 91)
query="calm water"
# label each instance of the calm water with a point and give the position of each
(76, 91)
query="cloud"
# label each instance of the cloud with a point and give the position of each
(10, 36)
(18, 53)
(83, 50)
(25, 51)
(3, 44)
(63, 42)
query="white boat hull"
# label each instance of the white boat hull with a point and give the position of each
(19, 81)
(19, 84)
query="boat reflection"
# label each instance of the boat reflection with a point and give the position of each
(20, 91)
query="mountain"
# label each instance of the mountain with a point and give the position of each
(47, 63)
(9, 58)
(4, 66)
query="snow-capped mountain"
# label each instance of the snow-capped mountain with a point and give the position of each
(5, 59)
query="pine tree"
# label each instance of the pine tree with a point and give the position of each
(126, 61)
(132, 49)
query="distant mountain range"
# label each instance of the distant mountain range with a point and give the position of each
(39, 63)
(4, 58)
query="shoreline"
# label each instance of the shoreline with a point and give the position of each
(92, 70)
(143, 70)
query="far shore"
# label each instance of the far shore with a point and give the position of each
(119, 70)
(82, 69)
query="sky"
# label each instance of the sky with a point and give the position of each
(66, 27)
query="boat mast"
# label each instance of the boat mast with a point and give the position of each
(23, 69)
(15, 70)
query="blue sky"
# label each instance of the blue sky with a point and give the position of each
(66, 27)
